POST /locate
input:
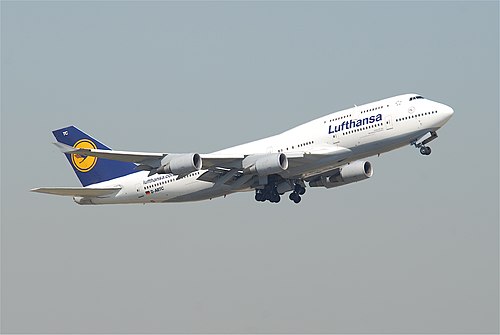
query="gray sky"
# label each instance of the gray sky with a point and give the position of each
(414, 249)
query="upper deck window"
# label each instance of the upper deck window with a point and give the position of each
(417, 97)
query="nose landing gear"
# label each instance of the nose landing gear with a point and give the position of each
(424, 149)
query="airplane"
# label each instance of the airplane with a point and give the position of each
(328, 152)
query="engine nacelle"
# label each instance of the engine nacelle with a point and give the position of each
(350, 173)
(180, 164)
(266, 164)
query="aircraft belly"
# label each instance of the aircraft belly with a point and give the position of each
(190, 191)
(382, 144)
(210, 192)
(174, 191)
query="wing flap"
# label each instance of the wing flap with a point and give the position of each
(335, 153)
(224, 161)
(77, 191)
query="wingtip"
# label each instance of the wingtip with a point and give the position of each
(64, 147)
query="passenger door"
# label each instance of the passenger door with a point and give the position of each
(388, 122)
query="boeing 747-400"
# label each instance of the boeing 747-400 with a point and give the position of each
(327, 152)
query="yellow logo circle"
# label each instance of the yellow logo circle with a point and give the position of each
(84, 163)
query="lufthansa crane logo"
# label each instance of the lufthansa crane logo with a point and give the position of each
(84, 163)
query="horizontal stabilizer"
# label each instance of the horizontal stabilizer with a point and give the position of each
(77, 191)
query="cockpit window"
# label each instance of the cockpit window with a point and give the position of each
(417, 97)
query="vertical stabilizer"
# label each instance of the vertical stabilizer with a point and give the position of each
(91, 170)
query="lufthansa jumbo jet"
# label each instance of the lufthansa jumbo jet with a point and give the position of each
(327, 152)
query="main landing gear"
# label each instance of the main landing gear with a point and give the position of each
(424, 149)
(270, 192)
(295, 196)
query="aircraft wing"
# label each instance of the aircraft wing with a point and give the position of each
(300, 158)
(77, 191)
(295, 158)
(149, 158)
(123, 156)
(149, 161)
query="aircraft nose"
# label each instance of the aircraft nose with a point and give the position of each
(447, 112)
(444, 114)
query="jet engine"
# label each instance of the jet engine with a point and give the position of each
(350, 173)
(265, 164)
(180, 164)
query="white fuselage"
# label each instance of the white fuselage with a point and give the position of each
(365, 130)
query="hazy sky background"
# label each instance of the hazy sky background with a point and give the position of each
(413, 249)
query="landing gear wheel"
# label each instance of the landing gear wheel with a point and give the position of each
(299, 189)
(275, 198)
(259, 196)
(295, 197)
(426, 151)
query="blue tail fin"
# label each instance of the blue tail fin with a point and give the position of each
(91, 170)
